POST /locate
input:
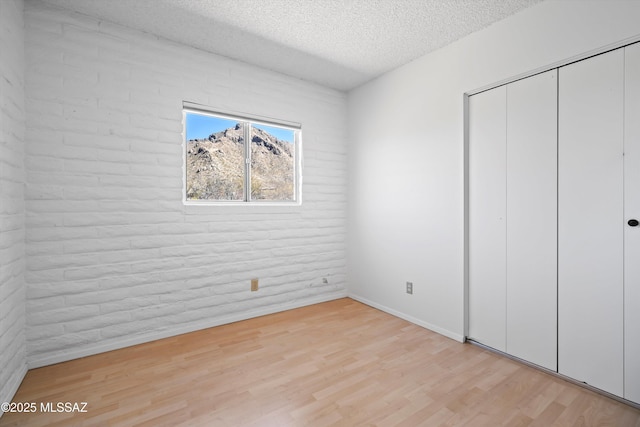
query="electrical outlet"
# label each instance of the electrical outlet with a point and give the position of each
(410, 287)
(254, 285)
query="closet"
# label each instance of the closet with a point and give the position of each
(554, 248)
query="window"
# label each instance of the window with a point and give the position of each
(237, 159)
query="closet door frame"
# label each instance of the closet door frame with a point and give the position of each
(465, 102)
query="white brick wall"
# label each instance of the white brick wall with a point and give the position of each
(113, 256)
(13, 358)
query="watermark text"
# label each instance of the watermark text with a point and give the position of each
(66, 407)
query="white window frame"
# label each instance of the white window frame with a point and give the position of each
(247, 121)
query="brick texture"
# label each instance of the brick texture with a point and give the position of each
(113, 257)
(13, 364)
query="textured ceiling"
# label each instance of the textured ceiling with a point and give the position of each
(336, 43)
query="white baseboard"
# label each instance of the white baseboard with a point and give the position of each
(13, 385)
(437, 329)
(50, 359)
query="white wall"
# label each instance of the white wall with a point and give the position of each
(12, 289)
(407, 155)
(113, 256)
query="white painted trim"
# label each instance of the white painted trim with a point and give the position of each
(465, 174)
(12, 386)
(44, 360)
(437, 329)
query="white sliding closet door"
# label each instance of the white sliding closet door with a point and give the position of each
(632, 233)
(532, 219)
(487, 216)
(590, 215)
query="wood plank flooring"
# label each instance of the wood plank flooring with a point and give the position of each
(339, 363)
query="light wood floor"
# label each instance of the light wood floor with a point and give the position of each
(339, 363)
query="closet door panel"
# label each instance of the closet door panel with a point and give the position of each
(590, 233)
(487, 214)
(532, 219)
(632, 234)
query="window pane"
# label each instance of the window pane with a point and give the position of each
(215, 158)
(272, 163)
